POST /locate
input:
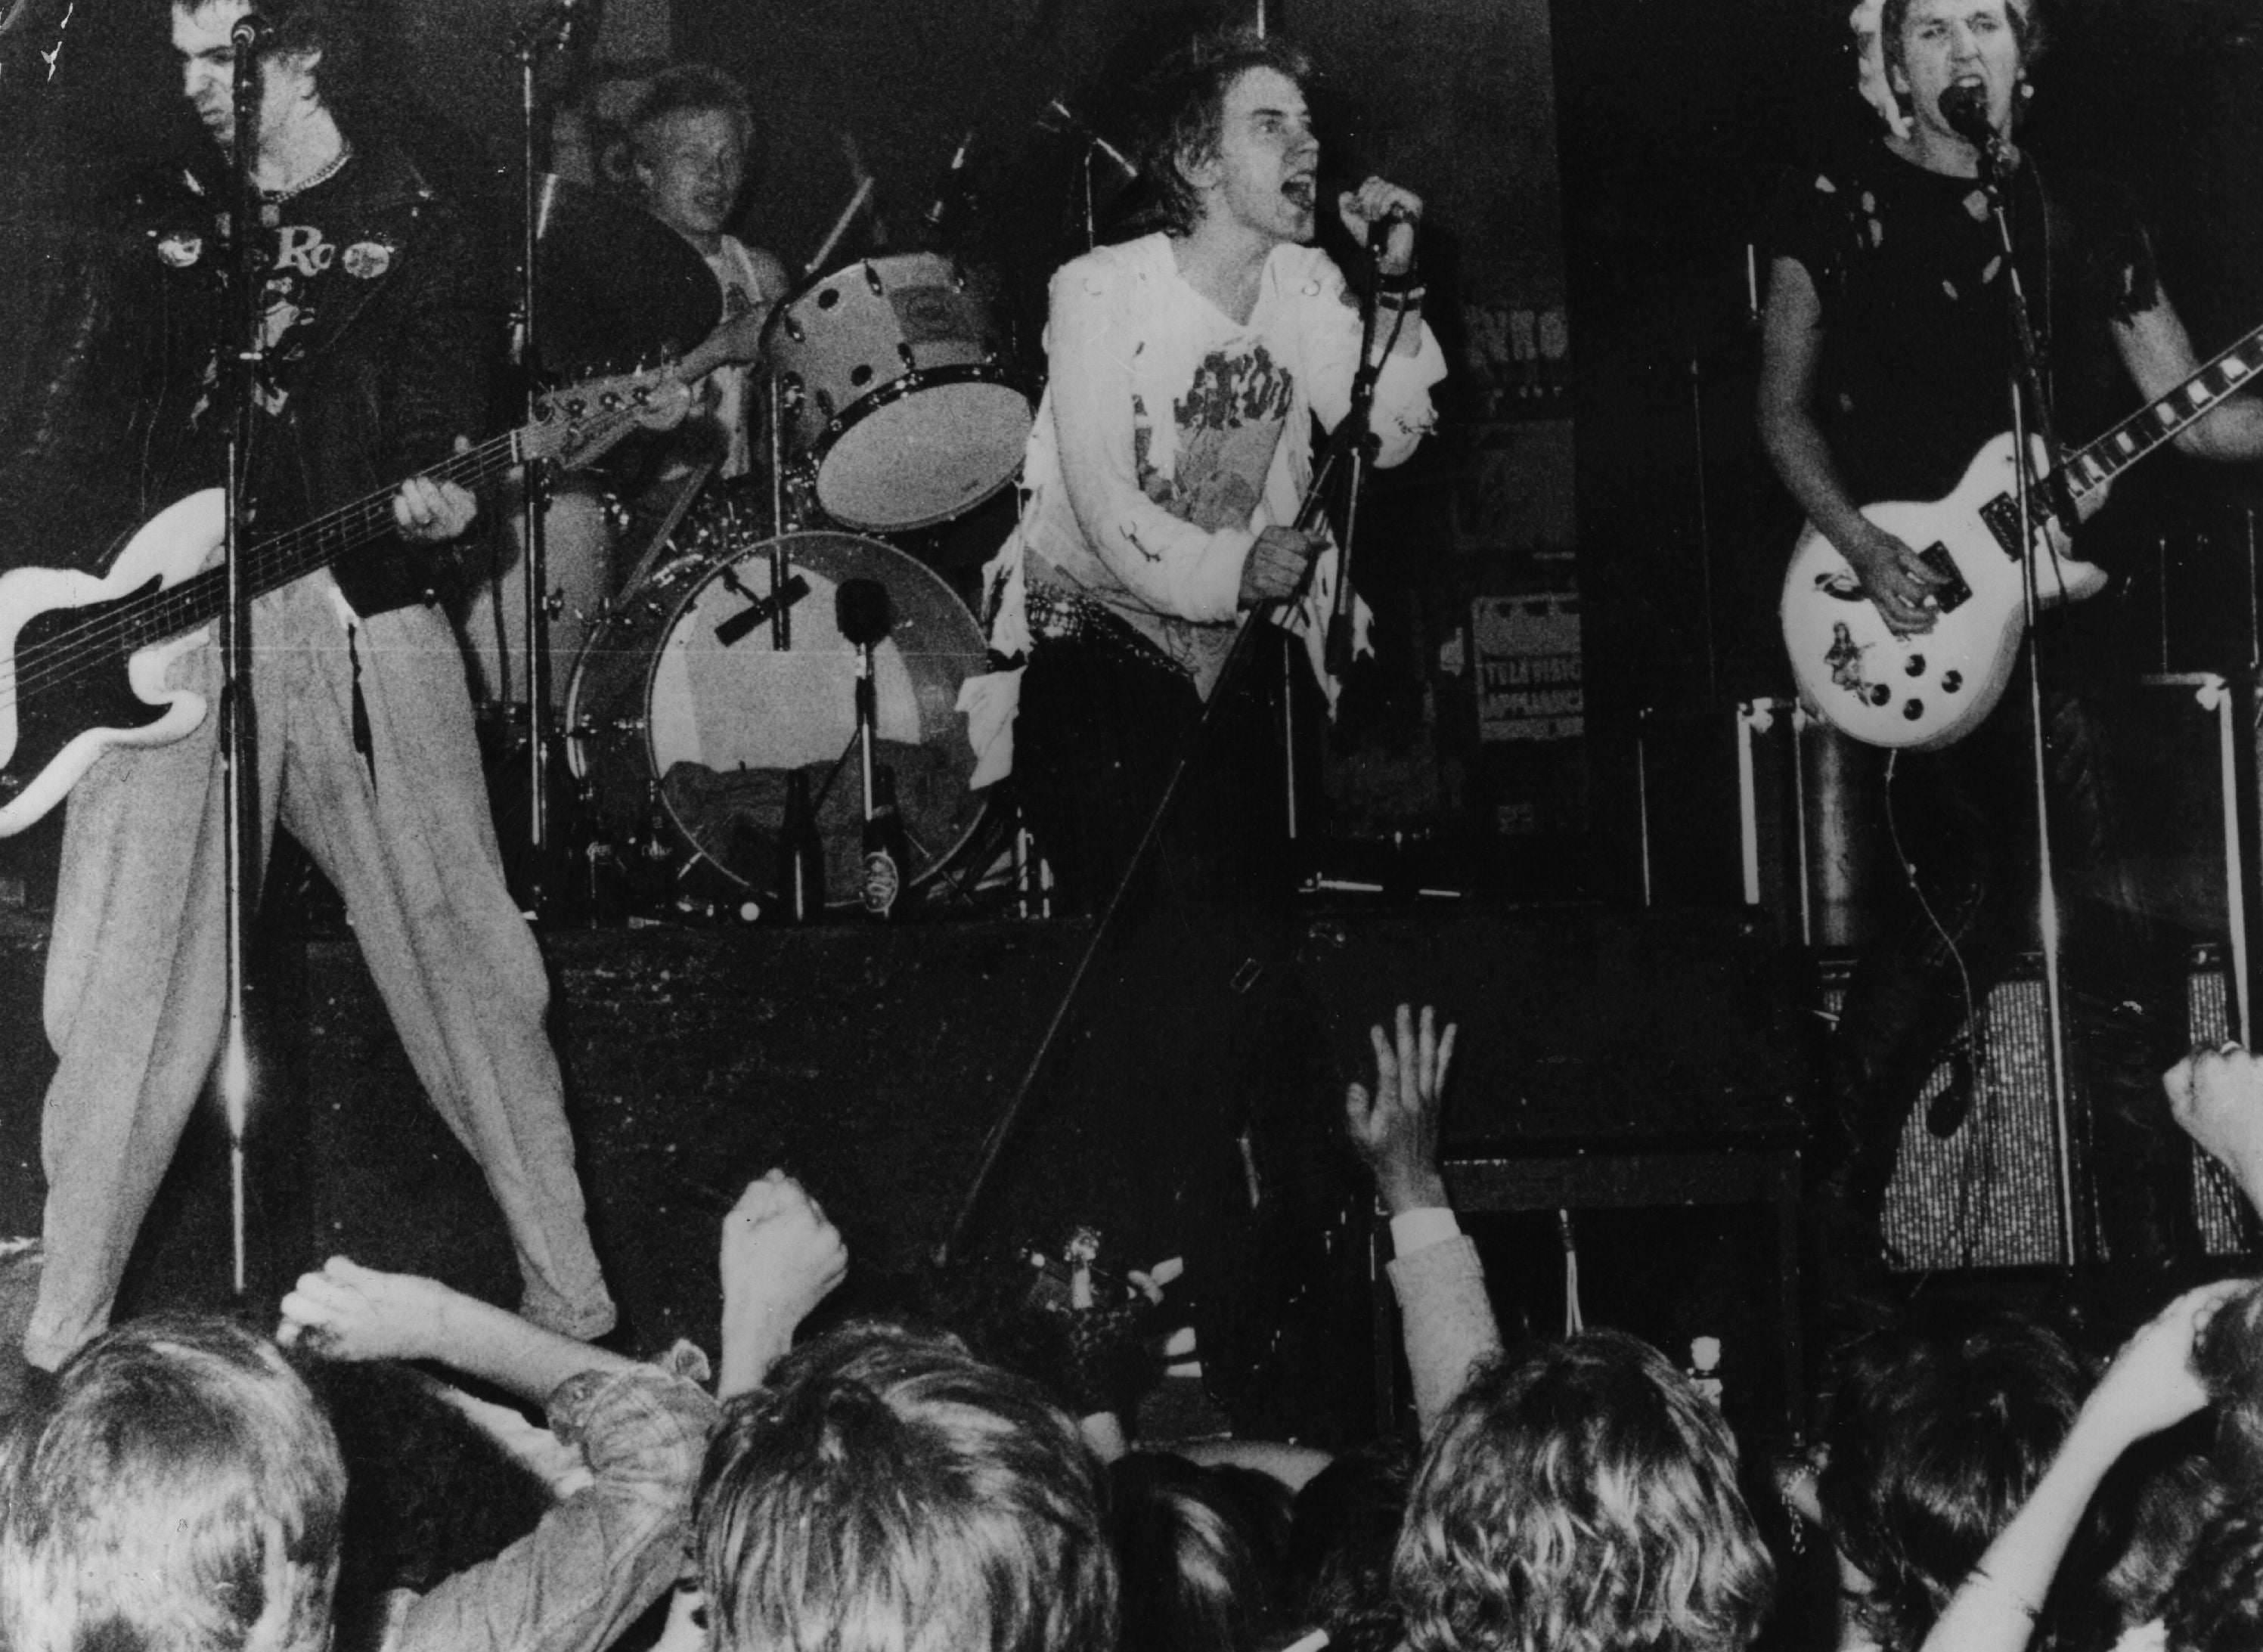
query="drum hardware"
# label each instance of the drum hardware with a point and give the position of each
(758, 609)
(888, 384)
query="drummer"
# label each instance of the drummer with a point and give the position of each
(689, 134)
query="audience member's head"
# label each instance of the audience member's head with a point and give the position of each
(1582, 1499)
(1195, 1577)
(178, 1491)
(1347, 1524)
(2216, 1603)
(889, 1491)
(2155, 1507)
(2228, 1359)
(1940, 1429)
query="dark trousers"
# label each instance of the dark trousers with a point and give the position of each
(1104, 724)
(1965, 820)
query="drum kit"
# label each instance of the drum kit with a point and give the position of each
(685, 692)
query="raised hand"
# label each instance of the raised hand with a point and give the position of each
(2216, 1096)
(2152, 1385)
(780, 1258)
(352, 1312)
(1395, 1130)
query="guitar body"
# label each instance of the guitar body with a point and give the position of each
(84, 661)
(1923, 692)
(93, 698)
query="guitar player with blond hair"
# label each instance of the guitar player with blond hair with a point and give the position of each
(1887, 355)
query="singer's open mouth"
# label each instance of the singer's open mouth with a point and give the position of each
(1299, 189)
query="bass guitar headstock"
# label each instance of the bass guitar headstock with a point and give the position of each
(574, 425)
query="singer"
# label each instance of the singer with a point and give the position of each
(1887, 357)
(1171, 448)
(363, 732)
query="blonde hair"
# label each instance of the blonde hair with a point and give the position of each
(177, 1477)
(1580, 1499)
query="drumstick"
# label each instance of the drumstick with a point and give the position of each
(857, 204)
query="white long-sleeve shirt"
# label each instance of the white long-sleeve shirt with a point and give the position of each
(1171, 435)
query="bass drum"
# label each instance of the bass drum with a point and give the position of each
(671, 724)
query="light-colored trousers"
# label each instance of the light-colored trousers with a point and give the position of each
(136, 992)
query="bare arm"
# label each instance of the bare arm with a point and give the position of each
(353, 1312)
(1446, 1319)
(2158, 353)
(1791, 348)
(2150, 1387)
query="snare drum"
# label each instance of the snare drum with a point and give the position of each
(665, 715)
(894, 393)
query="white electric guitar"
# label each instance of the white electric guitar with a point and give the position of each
(82, 660)
(1931, 690)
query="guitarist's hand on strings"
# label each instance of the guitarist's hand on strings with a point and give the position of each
(427, 511)
(1892, 577)
(1276, 564)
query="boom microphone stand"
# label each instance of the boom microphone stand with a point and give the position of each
(2026, 392)
(550, 25)
(238, 737)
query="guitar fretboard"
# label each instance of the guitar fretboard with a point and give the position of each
(2147, 429)
(272, 563)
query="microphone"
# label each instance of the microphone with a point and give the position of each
(249, 31)
(949, 192)
(861, 610)
(1964, 107)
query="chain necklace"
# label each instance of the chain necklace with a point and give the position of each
(271, 199)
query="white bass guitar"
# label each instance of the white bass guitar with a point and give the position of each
(82, 660)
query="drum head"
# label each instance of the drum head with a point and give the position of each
(709, 729)
(923, 452)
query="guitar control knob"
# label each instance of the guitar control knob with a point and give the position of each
(1915, 666)
(1951, 682)
(1914, 709)
(1880, 694)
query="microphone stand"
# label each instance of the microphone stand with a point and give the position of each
(238, 736)
(550, 25)
(2026, 392)
(1349, 443)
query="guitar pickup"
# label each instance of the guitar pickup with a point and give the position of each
(759, 609)
(1955, 592)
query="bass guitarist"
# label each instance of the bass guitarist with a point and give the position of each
(364, 728)
(1887, 352)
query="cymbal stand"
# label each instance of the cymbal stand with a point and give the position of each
(549, 25)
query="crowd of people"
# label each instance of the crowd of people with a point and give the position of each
(192, 1483)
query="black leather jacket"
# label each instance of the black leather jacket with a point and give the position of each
(395, 373)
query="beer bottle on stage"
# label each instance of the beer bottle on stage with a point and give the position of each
(887, 856)
(800, 857)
